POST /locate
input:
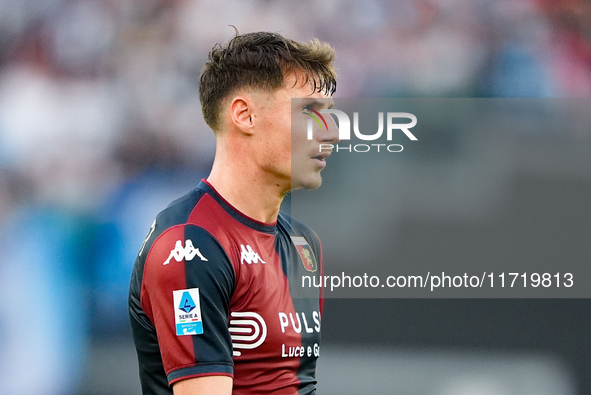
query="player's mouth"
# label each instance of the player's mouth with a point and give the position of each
(320, 159)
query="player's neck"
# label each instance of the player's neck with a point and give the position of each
(247, 188)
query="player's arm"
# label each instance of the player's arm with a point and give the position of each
(208, 385)
(189, 281)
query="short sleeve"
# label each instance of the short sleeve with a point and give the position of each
(186, 290)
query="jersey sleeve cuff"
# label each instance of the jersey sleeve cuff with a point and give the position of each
(212, 369)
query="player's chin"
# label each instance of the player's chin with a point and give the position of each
(311, 182)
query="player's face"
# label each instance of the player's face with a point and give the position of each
(295, 158)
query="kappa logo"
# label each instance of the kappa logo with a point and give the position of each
(248, 255)
(188, 252)
(247, 330)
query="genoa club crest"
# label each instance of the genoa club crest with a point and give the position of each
(306, 254)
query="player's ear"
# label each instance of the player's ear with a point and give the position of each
(241, 114)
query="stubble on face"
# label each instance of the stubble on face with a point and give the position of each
(285, 153)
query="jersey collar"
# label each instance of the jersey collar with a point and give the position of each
(267, 227)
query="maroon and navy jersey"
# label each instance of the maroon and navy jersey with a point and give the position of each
(214, 292)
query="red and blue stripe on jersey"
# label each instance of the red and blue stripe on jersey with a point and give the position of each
(259, 325)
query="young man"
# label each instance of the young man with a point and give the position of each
(216, 300)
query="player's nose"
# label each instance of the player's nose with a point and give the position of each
(331, 134)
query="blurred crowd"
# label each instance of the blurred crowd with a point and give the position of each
(100, 127)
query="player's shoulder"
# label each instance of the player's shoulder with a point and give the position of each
(179, 211)
(182, 212)
(176, 238)
(172, 230)
(173, 239)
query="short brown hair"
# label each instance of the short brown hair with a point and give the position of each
(261, 60)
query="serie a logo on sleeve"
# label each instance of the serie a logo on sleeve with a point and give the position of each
(187, 312)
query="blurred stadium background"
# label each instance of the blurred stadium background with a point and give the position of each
(100, 127)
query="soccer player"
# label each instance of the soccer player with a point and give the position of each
(216, 298)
